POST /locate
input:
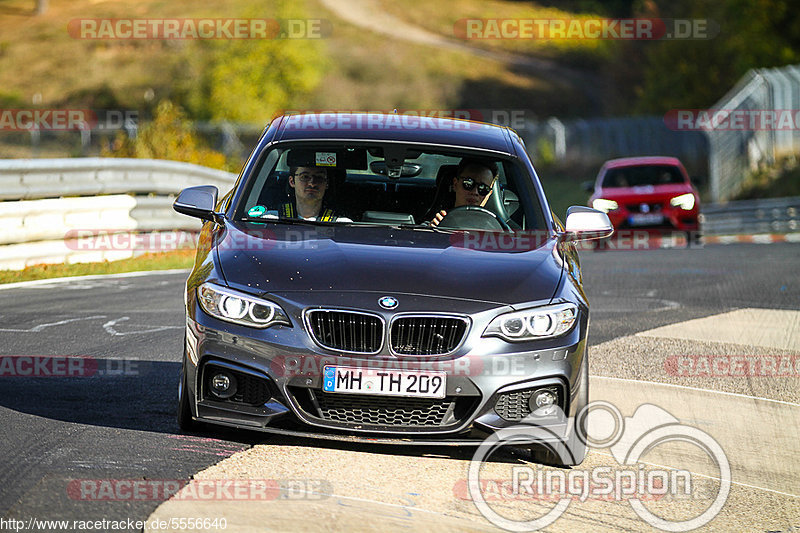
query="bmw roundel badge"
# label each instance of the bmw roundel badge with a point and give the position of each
(388, 302)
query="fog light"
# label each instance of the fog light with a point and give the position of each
(223, 385)
(544, 402)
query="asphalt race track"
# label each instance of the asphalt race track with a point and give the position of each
(112, 417)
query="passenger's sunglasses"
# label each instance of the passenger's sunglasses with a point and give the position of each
(469, 184)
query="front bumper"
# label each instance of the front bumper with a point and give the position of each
(672, 218)
(486, 389)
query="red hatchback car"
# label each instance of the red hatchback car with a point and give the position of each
(647, 192)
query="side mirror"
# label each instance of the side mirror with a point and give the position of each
(588, 186)
(585, 223)
(198, 202)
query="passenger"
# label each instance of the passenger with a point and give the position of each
(472, 185)
(310, 185)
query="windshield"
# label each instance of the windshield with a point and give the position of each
(390, 184)
(642, 175)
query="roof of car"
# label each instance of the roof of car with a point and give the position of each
(644, 160)
(394, 127)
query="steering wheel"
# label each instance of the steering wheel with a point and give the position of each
(473, 217)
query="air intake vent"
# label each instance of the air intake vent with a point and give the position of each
(427, 335)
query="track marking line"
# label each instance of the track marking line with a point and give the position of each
(139, 273)
(709, 477)
(109, 327)
(698, 389)
(40, 327)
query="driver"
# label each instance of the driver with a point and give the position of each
(472, 185)
(310, 185)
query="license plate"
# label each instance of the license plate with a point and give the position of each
(384, 382)
(645, 219)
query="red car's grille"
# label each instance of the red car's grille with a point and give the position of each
(645, 207)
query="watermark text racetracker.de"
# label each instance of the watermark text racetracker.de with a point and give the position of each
(71, 366)
(259, 239)
(126, 490)
(198, 28)
(203, 523)
(733, 119)
(382, 119)
(313, 366)
(679, 501)
(584, 28)
(108, 240)
(733, 366)
(40, 119)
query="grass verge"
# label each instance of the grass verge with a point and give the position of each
(778, 182)
(159, 261)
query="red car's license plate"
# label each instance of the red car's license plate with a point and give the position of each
(645, 219)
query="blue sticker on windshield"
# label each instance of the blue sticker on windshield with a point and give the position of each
(256, 211)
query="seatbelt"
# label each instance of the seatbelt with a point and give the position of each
(288, 211)
(327, 216)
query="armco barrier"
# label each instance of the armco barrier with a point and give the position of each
(30, 179)
(771, 215)
(48, 200)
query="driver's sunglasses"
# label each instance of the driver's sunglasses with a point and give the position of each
(469, 184)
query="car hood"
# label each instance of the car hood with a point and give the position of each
(274, 258)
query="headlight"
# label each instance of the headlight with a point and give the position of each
(536, 323)
(233, 306)
(684, 201)
(601, 204)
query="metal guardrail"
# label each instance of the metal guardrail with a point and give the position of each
(771, 215)
(29, 179)
(50, 201)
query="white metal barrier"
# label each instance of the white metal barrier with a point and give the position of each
(28, 179)
(58, 210)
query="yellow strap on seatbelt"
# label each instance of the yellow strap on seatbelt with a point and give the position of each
(327, 216)
(288, 210)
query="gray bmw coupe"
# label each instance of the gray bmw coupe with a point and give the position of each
(388, 278)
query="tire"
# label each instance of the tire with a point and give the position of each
(576, 443)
